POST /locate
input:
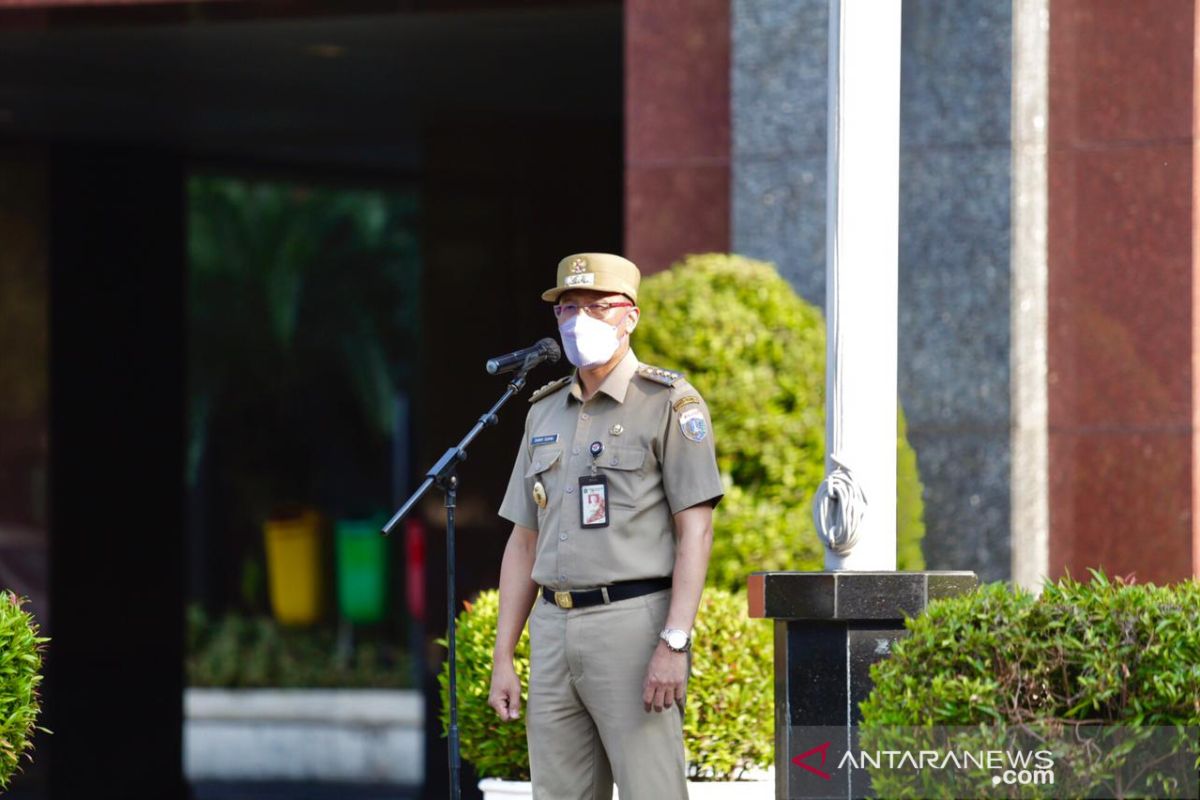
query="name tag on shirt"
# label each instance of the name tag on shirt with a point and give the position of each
(593, 501)
(547, 439)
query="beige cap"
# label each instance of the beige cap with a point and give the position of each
(597, 272)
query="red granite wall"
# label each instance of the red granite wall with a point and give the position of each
(1121, 329)
(677, 137)
(1195, 299)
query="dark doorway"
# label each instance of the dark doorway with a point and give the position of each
(508, 123)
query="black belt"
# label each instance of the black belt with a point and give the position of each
(622, 590)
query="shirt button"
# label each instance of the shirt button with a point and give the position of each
(574, 451)
(614, 461)
(562, 537)
(570, 489)
(583, 416)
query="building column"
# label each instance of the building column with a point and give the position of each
(676, 130)
(1122, 386)
(114, 684)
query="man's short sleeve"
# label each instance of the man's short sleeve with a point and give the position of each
(518, 506)
(689, 468)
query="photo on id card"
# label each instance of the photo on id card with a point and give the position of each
(593, 501)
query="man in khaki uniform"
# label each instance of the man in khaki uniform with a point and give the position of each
(611, 501)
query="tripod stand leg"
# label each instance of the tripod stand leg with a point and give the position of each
(451, 488)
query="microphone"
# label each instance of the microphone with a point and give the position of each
(524, 360)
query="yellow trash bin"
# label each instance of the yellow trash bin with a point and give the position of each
(293, 564)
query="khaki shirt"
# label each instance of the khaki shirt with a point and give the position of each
(658, 459)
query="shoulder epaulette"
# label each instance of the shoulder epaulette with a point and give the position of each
(549, 388)
(666, 377)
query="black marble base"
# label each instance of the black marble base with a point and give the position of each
(830, 627)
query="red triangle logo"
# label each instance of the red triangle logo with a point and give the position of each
(823, 749)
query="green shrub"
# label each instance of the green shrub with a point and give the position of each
(756, 351)
(728, 724)
(20, 674)
(257, 652)
(496, 747)
(1099, 655)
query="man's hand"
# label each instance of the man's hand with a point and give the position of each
(505, 696)
(517, 591)
(666, 678)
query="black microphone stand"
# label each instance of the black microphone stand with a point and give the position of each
(443, 475)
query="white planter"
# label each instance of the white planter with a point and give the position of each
(731, 790)
(350, 735)
(762, 789)
(497, 789)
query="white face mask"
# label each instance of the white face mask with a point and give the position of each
(587, 341)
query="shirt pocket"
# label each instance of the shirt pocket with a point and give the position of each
(543, 459)
(623, 468)
(544, 467)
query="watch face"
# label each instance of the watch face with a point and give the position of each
(677, 639)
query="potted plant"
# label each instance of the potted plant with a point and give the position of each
(264, 700)
(728, 720)
(20, 674)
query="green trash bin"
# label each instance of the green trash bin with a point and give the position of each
(362, 568)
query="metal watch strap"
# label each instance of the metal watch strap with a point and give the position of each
(665, 633)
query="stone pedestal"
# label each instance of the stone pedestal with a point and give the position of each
(830, 627)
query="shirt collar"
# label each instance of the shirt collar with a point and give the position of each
(615, 383)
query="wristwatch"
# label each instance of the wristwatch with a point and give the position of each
(677, 640)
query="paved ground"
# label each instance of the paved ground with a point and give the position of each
(222, 790)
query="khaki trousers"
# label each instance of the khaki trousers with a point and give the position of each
(585, 720)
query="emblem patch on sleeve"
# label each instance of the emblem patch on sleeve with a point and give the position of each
(692, 423)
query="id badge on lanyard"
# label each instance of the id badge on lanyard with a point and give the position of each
(593, 501)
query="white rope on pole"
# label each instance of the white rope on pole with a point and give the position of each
(838, 508)
(861, 302)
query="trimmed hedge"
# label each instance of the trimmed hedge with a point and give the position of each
(20, 674)
(1091, 655)
(728, 720)
(756, 351)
